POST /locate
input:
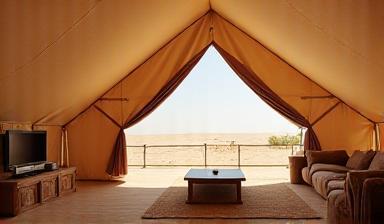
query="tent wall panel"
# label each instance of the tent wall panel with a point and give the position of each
(338, 44)
(27, 22)
(95, 50)
(142, 85)
(300, 92)
(284, 80)
(349, 130)
(343, 128)
(91, 138)
(112, 103)
(139, 87)
(94, 45)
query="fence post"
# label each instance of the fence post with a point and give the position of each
(292, 150)
(238, 155)
(144, 158)
(205, 155)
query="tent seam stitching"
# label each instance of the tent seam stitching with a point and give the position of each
(54, 42)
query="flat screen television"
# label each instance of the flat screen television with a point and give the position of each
(24, 147)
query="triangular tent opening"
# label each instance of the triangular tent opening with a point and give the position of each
(331, 123)
(214, 100)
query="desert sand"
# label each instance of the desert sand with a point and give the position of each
(222, 149)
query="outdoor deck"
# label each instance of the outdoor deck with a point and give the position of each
(125, 202)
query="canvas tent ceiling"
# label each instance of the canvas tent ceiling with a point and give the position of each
(335, 123)
(51, 50)
(59, 57)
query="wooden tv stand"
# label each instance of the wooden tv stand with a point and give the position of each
(21, 194)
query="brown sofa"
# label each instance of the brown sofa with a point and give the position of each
(353, 186)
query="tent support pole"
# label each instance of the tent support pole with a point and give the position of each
(377, 140)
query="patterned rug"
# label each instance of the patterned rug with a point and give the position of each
(275, 201)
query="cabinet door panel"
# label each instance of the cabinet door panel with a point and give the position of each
(67, 182)
(28, 196)
(49, 188)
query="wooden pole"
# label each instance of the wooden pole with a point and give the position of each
(205, 155)
(238, 156)
(144, 156)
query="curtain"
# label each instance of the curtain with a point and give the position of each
(118, 162)
(272, 99)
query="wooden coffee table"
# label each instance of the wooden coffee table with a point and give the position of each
(206, 176)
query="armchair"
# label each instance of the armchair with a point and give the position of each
(361, 201)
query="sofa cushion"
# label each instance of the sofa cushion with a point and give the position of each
(360, 160)
(338, 211)
(377, 162)
(338, 157)
(305, 175)
(335, 185)
(321, 179)
(327, 167)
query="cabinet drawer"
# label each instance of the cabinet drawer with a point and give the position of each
(28, 196)
(67, 183)
(49, 188)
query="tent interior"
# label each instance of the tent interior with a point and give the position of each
(86, 70)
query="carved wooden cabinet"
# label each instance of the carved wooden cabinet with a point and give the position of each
(21, 194)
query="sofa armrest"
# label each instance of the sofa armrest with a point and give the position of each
(354, 187)
(372, 201)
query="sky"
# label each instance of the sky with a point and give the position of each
(213, 99)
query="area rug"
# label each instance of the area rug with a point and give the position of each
(275, 201)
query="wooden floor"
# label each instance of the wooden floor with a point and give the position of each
(125, 202)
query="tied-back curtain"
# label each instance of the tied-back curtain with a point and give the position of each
(118, 162)
(310, 139)
(271, 98)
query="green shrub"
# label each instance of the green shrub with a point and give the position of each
(284, 140)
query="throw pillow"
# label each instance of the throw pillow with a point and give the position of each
(377, 162)
(360, 160)
(338, 157)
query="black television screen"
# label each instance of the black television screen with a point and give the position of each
(23, 147)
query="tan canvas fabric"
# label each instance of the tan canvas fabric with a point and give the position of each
(344, 128)
(329, 41)
(287, 82)
(51, 50)
(139, 87)
(91, 138)
(271, 98)
(59, 57)
(341, 128)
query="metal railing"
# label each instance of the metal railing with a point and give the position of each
(234, 154)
